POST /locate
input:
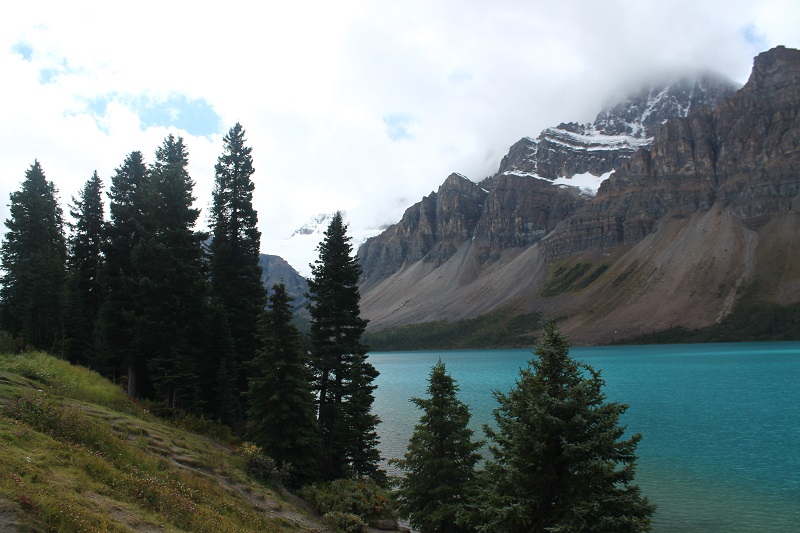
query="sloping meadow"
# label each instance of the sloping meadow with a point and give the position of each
(76, 454)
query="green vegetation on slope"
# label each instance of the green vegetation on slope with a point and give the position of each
(500, 329)
(570, 279)
(77, 455)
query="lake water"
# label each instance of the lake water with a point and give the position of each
(721, 422)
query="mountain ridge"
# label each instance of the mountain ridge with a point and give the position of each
(672, 237)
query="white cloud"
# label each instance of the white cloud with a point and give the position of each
(364, 106)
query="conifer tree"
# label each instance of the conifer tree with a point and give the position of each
(559, 460)
(281, 416)
(343, 378)
(440, 462)
(170, 286)
(84, 264)
(121, 236)
(235, 269)
(33, 258)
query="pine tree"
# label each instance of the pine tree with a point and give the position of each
(84, 265)
(281, 416)
(343, 378)
(122, 234)
(559, 460)
(440, 462)
(235, 268)
(33, 259)
(170, 287)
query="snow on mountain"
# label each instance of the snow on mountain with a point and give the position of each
(300, 249)
(572, 150)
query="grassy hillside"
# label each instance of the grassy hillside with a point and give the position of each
(77, 455)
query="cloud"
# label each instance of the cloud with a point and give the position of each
(356, 105)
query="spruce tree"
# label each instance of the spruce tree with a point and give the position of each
(560, 462)
(440, 462)
(33, 259)
(343, 378)
(281, 416)
(84, 263)
(235, 269)
(170, 285)
(122, 234)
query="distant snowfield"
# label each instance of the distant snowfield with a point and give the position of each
(300, 249)
(585, 182)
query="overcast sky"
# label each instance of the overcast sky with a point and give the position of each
(362, 106)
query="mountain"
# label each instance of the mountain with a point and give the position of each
(274, 270)
(616, 133)
(300, 249)
(700, 210)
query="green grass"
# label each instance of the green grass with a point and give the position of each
(505, 328)
(77, 455)
(563, 278)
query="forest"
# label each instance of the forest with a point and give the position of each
(180, 319)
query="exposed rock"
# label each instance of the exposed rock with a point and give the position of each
(520, 211)
(430, 230)
(275, 270)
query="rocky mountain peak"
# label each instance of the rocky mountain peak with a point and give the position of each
(775, 71)
(641, 114)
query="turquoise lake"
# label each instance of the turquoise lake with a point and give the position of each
(721, 422)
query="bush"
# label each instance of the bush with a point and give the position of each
(261, 466)
(204, 426)
(361, 497)
(345, 522)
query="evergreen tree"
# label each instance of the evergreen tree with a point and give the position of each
(33, 259)
(235, 269)
(343, 378)
(559, 460)
(440, 462)
(84, 265)
(122, 234)
(281, 414)
(170, 287)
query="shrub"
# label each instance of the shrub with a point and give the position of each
(345, 522)
(262, 466)
(362, 497)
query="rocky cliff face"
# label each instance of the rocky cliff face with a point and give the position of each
(742, 155)
(429, 231)
(672, 237)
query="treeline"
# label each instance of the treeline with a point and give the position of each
(504, 328)
(181, 318)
